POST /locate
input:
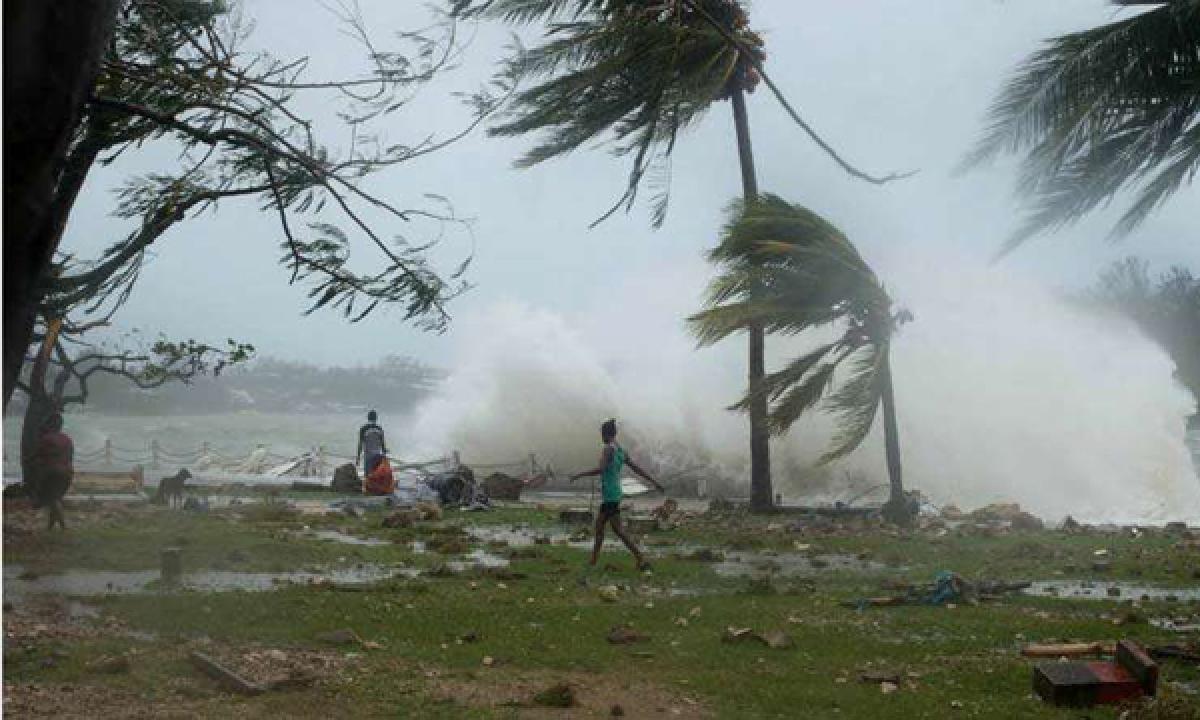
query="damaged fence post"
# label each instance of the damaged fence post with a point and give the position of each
(154, 454)
(172, 566)
(457, 459)
(108, 453)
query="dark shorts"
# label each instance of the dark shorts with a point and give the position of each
(610, 509)
(370, 461)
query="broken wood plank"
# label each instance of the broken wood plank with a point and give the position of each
(1133, 658)
(223, 675)
(1066, 650)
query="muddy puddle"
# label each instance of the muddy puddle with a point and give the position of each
(1177, 624)
(337, 536)
(478, 560)
(1112, 591)
(524, 536)
(82, 583)
(789, 564)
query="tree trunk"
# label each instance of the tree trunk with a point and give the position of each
(41, 406)
(761, 496)
(891, 434)
(52, 51)
(897, 509)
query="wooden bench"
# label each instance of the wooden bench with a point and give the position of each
(90, 482)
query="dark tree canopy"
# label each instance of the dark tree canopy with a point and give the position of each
(176, 72)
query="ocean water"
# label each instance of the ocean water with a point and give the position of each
(232, 436)
(281, 435)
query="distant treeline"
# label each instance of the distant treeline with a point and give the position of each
(271, 385)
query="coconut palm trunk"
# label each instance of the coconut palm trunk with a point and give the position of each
(761, 496)
(891, 437)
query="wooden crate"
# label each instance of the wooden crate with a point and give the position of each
(1082, 684)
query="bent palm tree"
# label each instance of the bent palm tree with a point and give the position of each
(638, 72)
(1102, 110)
(789, 271)
(642, 71)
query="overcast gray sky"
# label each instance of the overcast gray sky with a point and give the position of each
(893, 84)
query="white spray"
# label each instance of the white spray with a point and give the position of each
(1004, 392)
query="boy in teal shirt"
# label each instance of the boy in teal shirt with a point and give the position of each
(612, 460)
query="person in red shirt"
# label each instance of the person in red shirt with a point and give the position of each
(54, 462)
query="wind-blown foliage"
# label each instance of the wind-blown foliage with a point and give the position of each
(634, 73)
(1099, 111)
(627, 71)
(790, 271)
(176, 71)
(1166, 309)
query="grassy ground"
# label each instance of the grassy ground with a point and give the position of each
(483, 644)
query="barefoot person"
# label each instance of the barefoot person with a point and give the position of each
(611, 461)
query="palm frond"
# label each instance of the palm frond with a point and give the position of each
(777, 383)
(856, 402)
(1099, 111)
(800, 398)
(788, 270)
(626, 73)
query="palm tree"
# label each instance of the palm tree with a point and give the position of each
(641, 71)
(1098, 111)
(789, 271)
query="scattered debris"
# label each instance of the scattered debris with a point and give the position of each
(608, 593)
(776, 640)
(428, 511)
(1183, 653)
(1083, 684)
(111, 664)
(172, 566)
(706, 555)
(503, 487)
(948, 589)
(559, 695)
(576, 516)
(346, 480)
(625, 635)
(1066, 650)
(223, 675)
(736, 634)
(664, 511)
(343, 636)
(400, 519)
